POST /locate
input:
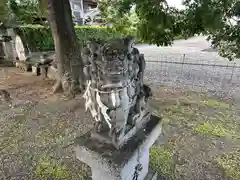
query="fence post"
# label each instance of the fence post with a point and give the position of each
(233, 68)
(183, 61)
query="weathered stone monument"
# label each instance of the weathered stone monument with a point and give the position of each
(116, 96)
(13, 47)
(6, 47)
(37, 62)
(2, 54)
(20, 49)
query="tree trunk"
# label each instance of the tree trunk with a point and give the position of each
(68, 53)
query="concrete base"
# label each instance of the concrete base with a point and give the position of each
(108, 163)
(52, 73)
(44, 71)
(23, 65)
(151, 175)
(36, 70)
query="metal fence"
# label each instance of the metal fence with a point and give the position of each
(217, 76)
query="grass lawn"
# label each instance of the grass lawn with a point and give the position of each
(201, 136)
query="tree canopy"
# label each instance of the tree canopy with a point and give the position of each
(220, 19)
(156, 22)
(21, 11)
(159, 23)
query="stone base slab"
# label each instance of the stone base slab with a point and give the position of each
(151, 175)
(44, 71)
(36, 70)
(23, 65)
(108, 163)
(52, 73)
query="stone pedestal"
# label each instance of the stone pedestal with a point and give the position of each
(36, 70)
(9, 53)
(108, 163)
(23, 65)
(52, 73)
(20, 49)
(6, 48)
(44, 71)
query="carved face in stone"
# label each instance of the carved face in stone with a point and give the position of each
(114, 63)
(114, 50)
(112, 60)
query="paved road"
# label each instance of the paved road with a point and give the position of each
(220, 80)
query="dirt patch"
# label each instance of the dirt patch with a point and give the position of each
(37, 135)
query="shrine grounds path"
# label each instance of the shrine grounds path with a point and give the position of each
(200, 140)
(192, 64)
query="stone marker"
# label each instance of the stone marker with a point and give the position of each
(118, 147)
(23, 60)
(44, 71)
(52, 73)
(2, 55)
(20, 49)
(36, 69)
(7, 45)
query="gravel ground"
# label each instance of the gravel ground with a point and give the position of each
(218, 80)
(37, 135)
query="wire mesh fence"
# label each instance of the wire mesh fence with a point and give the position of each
(219, 77)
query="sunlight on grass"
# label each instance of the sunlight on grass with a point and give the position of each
(215, 104)
(230, 163)
(161, 160)
(210, 129)
(52, 169)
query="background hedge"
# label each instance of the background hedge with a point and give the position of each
(39, 38)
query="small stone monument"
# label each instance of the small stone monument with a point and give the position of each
(20, 49)
(125, 129)
(21, 53)
(7, 51)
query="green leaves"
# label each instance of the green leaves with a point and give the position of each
(22, 11)
(153, 21)
(158, 23)
(220, 20)
(39, 38)
(118, 13)
(4, 10)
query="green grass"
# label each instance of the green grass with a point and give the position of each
(161, 160)
(50, 168)
(46, 168)
(230, 163)
(210, 129)
(194, 125)
(212, 103)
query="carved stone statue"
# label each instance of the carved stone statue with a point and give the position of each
(115, 93)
